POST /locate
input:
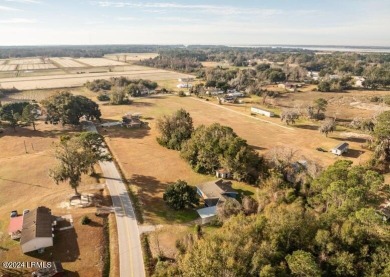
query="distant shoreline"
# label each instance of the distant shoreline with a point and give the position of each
(330, 48)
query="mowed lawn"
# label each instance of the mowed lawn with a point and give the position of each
(150, 167)
(25, 184)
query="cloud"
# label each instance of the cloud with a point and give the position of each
(7, 9)
(17, 21)
(24, 1)
(126, 18)
(213, 9)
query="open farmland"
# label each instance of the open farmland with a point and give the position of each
(39, 66)
(8, 67)
(25, 61)
(67, 62)
(75, 80)
(99, 62)
(144, 162)
(131, 56)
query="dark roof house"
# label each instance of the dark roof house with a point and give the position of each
(37, 230)
(214, 193)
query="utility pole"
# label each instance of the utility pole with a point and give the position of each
(25, 147)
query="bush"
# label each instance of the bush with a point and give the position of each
(181, 93)
(85, 220)
(376, 99)
(98, 85)
(386, 99)
(119, 97)
(103, 97)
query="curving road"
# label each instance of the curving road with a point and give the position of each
(130, 254)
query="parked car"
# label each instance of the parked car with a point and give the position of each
(14, 214)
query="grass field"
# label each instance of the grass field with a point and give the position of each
(75, 80)
(131, 57)
(25, 179)
(150, 167)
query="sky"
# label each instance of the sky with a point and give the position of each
(228, 22)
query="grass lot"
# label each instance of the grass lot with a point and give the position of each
(150, 167)
(25, 184)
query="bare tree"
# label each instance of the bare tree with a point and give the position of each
(328, 126)
(289, 116)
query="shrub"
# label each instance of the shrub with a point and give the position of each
(103, 97)
(85, 220)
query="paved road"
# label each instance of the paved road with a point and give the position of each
(130, 254)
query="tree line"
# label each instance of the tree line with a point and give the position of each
(328, 225)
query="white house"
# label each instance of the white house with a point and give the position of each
(340, 149)
(262, 112)
(359, 81)
(37, 232)
(184, 85)
(185, 80)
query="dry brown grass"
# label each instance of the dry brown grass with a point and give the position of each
(76, 80)
(114, 247)
(25, 184)
(150, 167)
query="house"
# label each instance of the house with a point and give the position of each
(37, 232)
(340, 149)
(358, 81)
(184, 86)
(313, 75)
(186, 80)
(223, 173)
(130, 120)
(288, 86)
(214, 92)
(234, 93)
(257, 110)
(214, 193)
(229, 99)
(15, 227)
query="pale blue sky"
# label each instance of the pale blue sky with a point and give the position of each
(239, 22)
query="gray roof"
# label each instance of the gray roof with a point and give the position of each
(342, 146)
(36, 224)
(207, 212)
(216, 189)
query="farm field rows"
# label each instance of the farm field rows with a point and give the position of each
(131, 56)
(38, 66)
(99, 62)
(74, 80)
(67, 62)
(25, 61)
(8, 67)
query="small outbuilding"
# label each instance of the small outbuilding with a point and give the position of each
(340, 149)
(257, 110)
(223, 173)
(37, 232)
